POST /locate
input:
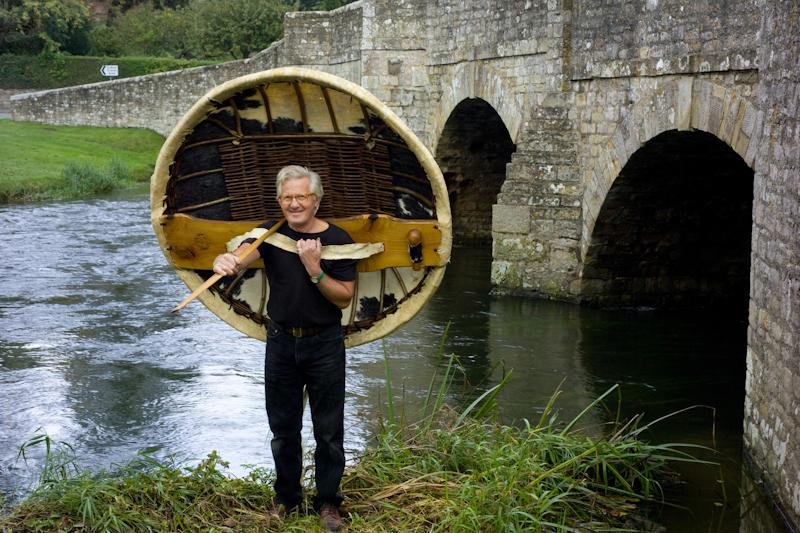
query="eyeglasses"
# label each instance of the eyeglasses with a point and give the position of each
(287, 199)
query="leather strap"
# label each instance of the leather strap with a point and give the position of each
(356, 250)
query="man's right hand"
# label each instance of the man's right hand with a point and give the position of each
(226, 264)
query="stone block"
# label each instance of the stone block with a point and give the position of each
(519, 249)
(511, 219)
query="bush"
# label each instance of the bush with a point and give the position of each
(82, 180)
(145, 30)
(235, 29)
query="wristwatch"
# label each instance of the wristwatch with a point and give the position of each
(316, 279)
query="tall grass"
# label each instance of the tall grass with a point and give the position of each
(447, 471)
(82, 180)
(78, 181)
(143, 495)
(452, 472)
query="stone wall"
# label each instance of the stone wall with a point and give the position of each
(155, 102)
(621, 38)
(394, 58)
(772, 422)
(617, 73)
(523, 79)
(331, 39)
(5, 97)
(460, 31)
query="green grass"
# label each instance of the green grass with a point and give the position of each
(40, 161)
(445, 472)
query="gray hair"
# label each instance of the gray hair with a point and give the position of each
(294, 172)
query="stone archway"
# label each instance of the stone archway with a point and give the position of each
(476, 79)
(475, 129)
(473, 151)
(674, 230)
(683, 104)
(707, 136)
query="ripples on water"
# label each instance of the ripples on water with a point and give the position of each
(90, 353)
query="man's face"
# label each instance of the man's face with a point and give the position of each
(298, 203)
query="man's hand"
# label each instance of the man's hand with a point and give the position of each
(339, 293)
(226, 264)
(310, 252)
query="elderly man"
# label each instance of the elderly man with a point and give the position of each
(305, 344)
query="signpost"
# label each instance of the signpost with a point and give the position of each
(109, 70)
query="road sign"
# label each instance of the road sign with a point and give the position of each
(109, 70)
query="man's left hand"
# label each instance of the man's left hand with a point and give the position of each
(310, 252)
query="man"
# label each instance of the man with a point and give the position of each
(305, 345)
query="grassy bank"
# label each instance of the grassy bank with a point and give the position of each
(46, 162)
(448, 472)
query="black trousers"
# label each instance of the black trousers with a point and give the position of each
(317, 363)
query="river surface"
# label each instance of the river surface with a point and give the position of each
(91, 355)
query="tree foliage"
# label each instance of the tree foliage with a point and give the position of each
(184, 29)
(33, 26)
(236, 28)
(124, 5)
(145, 31)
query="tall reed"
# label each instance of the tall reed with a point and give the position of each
(463, 471)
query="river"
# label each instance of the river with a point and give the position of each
(91, 355)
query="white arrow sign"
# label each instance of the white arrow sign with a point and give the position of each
(109, 70)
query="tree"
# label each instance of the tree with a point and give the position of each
(31, 26)
(235, 29)
(146, 31)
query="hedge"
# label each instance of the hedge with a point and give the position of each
(56, 70)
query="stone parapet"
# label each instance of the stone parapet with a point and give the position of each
(156, 101)
(653, 38)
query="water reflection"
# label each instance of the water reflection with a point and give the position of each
(90, 353)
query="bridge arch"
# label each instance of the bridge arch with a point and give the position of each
(683, 104)
(475, 130)
(668, 210)
(476, 79)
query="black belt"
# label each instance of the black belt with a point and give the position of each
(299, 331)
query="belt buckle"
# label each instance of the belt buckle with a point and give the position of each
(296, 331)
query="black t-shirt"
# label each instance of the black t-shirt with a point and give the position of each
(293, 299)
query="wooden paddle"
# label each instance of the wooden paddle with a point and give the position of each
(252, 247)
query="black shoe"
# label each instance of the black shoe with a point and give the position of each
(329, 518)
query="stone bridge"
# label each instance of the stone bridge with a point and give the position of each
(615, 152)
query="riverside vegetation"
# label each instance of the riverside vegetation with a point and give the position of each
(446, 471)
(46, 162)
